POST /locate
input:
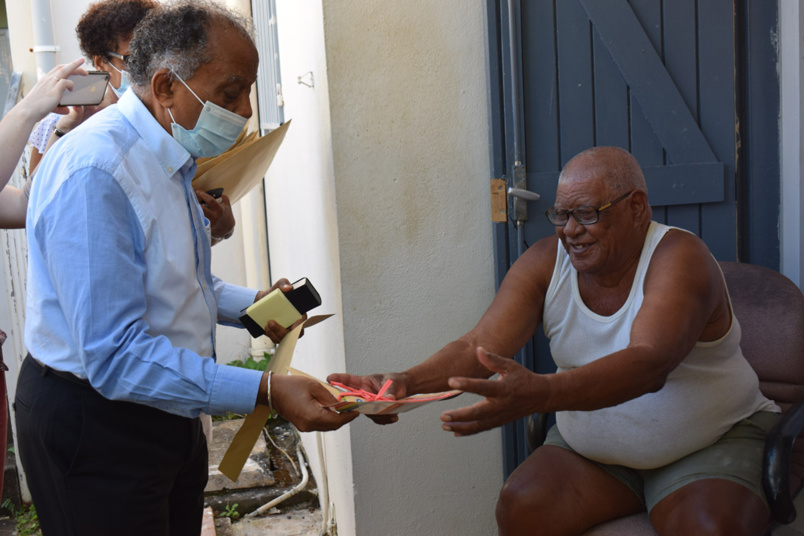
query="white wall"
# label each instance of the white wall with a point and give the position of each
(791, 54)
(303, 230)
(380, 195)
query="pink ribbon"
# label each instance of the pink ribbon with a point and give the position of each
(362, 393)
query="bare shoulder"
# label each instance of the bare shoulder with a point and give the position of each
(683, 259)
(534, 268)
(516, 311)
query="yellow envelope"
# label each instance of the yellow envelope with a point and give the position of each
(242, 167)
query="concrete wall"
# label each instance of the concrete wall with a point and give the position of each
(380, 196)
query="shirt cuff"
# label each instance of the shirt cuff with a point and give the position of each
(232, 299)
(234, 389)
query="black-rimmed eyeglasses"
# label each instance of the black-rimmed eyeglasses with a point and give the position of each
(583, 215)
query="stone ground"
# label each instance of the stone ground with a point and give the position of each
(269, 473)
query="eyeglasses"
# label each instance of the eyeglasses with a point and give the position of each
(119, 56)
(583, 215)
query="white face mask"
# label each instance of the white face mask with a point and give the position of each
(215, 131)
(125, 82)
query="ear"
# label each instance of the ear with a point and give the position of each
(162, 88)
(640, 206)
(97, 61)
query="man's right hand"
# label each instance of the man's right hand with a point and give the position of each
(303, 402)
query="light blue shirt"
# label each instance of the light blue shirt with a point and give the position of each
(119, 285)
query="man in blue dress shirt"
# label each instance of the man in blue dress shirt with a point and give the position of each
(122, 305)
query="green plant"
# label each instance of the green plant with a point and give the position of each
(259, 363)
(7, 508)
(27, 523)
(231, 511)
(228, 417)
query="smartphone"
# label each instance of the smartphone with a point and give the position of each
(87, 90)
(216, 193)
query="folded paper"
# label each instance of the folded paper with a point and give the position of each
(242, 167)
(350, 399)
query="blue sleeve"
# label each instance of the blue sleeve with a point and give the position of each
(93, 247)
(232, 299)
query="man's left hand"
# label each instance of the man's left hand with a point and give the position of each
(273, 330)
(516, 393)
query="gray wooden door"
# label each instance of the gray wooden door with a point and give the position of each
(676, 83)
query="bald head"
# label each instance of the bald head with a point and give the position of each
(613, 167)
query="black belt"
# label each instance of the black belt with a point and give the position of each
(44, 370)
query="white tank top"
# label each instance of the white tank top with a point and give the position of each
(712, 389)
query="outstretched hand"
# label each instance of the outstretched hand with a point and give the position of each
(516, 393)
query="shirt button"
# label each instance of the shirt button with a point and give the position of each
(170, 169)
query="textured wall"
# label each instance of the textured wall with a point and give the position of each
(410, 157)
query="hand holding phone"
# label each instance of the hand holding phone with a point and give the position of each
(88, 90)
(216, 193)
(44, 96)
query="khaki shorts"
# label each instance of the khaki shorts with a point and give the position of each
(736, 456)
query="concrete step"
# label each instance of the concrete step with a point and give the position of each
(256, 472)
(271, 471)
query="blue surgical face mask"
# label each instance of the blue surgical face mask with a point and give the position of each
(215, 131)
(125, 82)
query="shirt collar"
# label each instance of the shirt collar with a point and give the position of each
(170, 154)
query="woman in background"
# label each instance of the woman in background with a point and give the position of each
(43, 98)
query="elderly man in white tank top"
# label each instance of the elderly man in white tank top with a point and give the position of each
(657, 409)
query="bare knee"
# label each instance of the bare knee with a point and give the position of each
(707, 524)
(520, 506)
(711, 507)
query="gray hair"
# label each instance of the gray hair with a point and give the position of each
(615, 166)
(175, 36)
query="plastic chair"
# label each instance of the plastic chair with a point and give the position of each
(770, 309)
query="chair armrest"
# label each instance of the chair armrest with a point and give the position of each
(776, 464)
(536, 430)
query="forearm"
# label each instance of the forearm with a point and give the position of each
(457, 358)
(13, 204)
(232, 299)
(14, 130)
(605, 382)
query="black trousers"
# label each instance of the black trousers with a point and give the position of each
(97, 467)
